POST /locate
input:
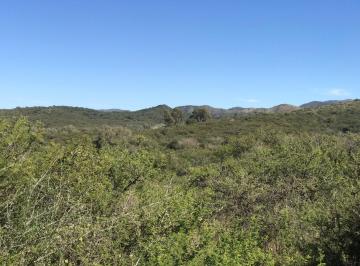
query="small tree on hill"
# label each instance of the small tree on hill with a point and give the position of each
(168, 118)
(201, 115)
(177, 115)
(173, 117)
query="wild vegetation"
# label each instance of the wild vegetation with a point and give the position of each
(258, 189)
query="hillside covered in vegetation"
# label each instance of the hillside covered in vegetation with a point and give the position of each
(261, 188)
(61, 116)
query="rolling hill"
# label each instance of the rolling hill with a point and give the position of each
(60, 116)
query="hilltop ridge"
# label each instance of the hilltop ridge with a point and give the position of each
(59, 116)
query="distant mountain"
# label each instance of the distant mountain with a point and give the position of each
(215, 112)
(60, 116)
(219, 112)
(112, 110)
(276, 109)
(315, 104)
(153, 114)
(283, 108)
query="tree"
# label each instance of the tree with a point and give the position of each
(177, 115)
(168, 118)
(201, 115)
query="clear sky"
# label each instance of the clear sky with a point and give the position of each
(134, 54)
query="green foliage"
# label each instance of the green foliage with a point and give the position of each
(173, 117)
(200, 115)
(255, 190)
(168, 118)
(178, 116)
(62, 116)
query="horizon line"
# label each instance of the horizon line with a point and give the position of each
(173, 107)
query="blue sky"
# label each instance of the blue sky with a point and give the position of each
(135, 54)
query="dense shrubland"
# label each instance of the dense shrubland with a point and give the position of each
(213, 193)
